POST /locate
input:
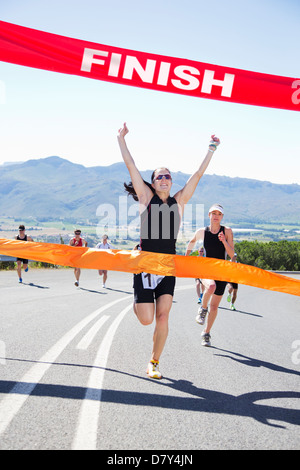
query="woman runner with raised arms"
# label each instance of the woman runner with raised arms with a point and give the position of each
(160, 220)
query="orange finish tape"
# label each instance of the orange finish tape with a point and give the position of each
(135, 261)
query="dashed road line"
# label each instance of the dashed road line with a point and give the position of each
(12, 403)
(88, 338)
(87, 429)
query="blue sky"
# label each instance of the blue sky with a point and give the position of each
(44, 113)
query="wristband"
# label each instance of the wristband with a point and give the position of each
(212, 145)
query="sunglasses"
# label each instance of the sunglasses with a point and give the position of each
(160, 177)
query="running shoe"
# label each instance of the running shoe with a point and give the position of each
(200, 317)
(153, 370)
(26, 270)
(103, 285)
(76, 284)
(232, 307)
(200, 299)
(228, 297)
(20, 280)
(206, 339)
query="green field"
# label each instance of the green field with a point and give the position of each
(268, 246)
(60, 231)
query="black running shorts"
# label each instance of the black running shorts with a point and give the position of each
(220, 287)
(142, 296)
(234, 285)
(25, 261)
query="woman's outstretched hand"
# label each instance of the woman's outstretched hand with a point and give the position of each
(123, 130)
(215, 141)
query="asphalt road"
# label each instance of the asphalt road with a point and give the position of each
(73, 361)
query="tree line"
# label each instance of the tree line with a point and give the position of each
(276, 256)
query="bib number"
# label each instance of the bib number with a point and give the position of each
(151, 281)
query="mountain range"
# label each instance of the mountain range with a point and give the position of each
(53, 188)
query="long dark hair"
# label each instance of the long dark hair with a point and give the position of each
(131, 191)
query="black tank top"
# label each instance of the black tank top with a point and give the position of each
(160, 225)
(22, 239)
(214, 248)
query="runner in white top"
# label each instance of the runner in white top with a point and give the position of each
(104, 246)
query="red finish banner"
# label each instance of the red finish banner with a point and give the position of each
(136, 261)
(47, 51)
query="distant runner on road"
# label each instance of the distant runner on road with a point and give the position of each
(232, 288)
(104, 246)
(26, 238)
(77, 241)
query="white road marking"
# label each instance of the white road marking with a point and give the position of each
(12, 403)
(86, 434)
(88, 338)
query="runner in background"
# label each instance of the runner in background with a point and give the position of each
(26, 238)
(217, 241)
(199, 286)
(160, 220)
(104, 246)
(77, 241)
(232, 288)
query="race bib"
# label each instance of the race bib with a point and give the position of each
(151, 281)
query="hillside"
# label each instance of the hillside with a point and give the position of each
(54, 188)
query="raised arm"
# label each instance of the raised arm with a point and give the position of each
(185, 194)
(198, 235)
(143, 192)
